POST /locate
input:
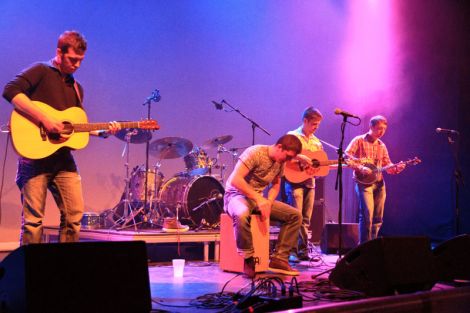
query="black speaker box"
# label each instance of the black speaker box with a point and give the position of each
(452, 259)
(76, 277)
(317, 221)
(329, 243)
(386, 266)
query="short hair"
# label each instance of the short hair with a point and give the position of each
(290, 142)
(72, 39)
(374, 120)
(312, 113)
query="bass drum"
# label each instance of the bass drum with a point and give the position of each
(195, 198)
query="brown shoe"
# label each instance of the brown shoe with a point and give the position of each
(282, 267)
(171, 225)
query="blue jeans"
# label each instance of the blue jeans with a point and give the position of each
(371, 209)
(240, 209)
(302, 199)
(66, 189)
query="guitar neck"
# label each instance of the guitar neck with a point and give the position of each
(381, 169)
(325, 163)
(86, 127)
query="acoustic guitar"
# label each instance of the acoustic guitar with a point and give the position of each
(373, 176)
(314, 164)
(31, 140)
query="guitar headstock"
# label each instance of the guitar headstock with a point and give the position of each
(149, 124)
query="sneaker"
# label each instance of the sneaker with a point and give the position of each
(249, 267)
(172, 225)
(281, 266)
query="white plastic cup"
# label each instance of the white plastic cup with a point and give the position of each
(178, 267)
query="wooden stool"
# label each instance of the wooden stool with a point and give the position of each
(230, 260)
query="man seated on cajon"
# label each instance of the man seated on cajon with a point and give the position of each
(257, 167)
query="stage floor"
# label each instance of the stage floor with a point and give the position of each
(203, 280)
(171, 294)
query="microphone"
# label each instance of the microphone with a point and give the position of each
(447, 131)
(155, 96)
(345, 114)
(218, 106)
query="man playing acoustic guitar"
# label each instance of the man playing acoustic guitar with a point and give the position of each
(370, 187)
(301, 195)
(52, 83)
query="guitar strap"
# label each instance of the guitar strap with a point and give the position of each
(77, 91)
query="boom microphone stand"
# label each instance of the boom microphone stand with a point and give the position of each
(254, 125)
(155, 96)
(339, 177)
(457, 176)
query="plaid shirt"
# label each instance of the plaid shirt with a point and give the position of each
(375, 153)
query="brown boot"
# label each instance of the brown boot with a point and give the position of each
(282, 267)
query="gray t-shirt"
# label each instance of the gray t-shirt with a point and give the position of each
(263, 170)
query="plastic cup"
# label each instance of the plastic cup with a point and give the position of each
(178, 267)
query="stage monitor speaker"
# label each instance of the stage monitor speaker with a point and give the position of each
(317, 221)
(76, 277)
(386, 266)
(452, 259)
(329, 243)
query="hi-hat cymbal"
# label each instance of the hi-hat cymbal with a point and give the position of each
(215, 142)
(136, 135)
(170, 147)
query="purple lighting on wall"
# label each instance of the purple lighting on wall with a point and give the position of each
(368, 64)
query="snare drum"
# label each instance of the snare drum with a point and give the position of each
(137, 184)
(196, 198)
(197, 162)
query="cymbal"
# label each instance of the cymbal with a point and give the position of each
(136, 135)
(170, 147)
(215, 142)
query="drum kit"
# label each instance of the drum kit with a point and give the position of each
(194, 196)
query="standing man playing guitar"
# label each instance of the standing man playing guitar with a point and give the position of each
(52, 83)
(301, 195)
(364, 150)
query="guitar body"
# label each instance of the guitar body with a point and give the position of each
(295, 172)
(367, 179)
(30, 143)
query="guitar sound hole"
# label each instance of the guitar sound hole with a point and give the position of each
(63, 136)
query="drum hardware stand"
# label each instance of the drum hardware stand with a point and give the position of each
(127, 207)
(221, 149)
(154, 212)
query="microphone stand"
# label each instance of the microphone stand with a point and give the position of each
(155, 96)
(339, 187)
(458, 179)
(254, 125)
